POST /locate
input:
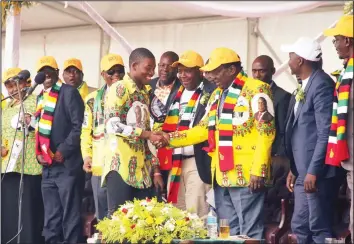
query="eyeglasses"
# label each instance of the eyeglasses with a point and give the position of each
(114, 71)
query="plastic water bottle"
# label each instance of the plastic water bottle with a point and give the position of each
(212, 225)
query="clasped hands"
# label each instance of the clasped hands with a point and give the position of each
(159, 139)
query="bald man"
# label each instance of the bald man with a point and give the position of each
(166, 85)
(263, 69)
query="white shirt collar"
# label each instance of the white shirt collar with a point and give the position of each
(47, 90)
(304, 83)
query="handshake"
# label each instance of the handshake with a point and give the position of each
(159, 139)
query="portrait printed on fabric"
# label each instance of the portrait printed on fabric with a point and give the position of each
(262, 105)
(138, 115)
(157, 110)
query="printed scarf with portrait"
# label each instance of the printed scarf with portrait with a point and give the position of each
(337, 148)
(45, 121)
(226, 155)
(172, 158)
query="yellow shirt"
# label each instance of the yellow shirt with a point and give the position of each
(252, 140)
(83, 90)
(3, 103)
(92, 134)
(127, 115)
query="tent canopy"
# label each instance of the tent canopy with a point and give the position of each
(56, 14)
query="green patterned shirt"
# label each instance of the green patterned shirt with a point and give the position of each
(9, 123)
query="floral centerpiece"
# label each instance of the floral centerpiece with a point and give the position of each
(150, 221)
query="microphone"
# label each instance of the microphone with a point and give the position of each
(38, 80)
(23, 75)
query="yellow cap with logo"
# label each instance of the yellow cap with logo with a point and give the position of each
(190, 59)
(9, 73)
(219, 56)
(46, 61)
(344, 27)
(73, 62)
(110, 60)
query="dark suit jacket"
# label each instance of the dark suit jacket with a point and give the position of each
(281, 100)
(307, 132)
(203, 160)
(266, 117)
(173, 92)
(66, 128)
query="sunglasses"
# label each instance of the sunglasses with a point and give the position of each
(114, 71)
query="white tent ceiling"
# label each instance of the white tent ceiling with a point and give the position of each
(52, 14)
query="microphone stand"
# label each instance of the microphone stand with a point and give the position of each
(24, 135)
(5, 98)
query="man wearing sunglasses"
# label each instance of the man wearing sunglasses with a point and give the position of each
(73, 75)
(59, 115)
(92, 135)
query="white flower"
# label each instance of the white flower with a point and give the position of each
(193, 216)
(122, 230)
(169, 226)
(149, 208)
(140, 223)
(165, 210)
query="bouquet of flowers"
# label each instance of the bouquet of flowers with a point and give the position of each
(143, 221)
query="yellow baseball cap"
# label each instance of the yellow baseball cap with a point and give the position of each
(344, 27)
(9, 73)
(190, 59)
(219, 56)
(110, 60)
(47, 61)
(73, 62)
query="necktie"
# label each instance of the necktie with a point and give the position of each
(221, 104)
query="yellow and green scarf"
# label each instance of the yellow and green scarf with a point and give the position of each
(225, 125)
(45, 121)
(172, 158)
(337, 148)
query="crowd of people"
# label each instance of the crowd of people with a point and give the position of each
(197, 126)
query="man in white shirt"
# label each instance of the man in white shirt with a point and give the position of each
(307, 130)
(190, 174)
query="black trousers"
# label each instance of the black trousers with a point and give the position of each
(32, 208)
(118, 192)
(62, 194)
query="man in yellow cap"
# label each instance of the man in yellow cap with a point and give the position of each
(190, 175)
(340, 143)
(239, 144)
(92, 135)
(59, 115)
(73, 75)
(12, 148)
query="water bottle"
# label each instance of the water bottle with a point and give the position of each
(212, 225)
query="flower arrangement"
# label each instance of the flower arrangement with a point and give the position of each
(143, 221)
(15, 6)
(300, 94)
